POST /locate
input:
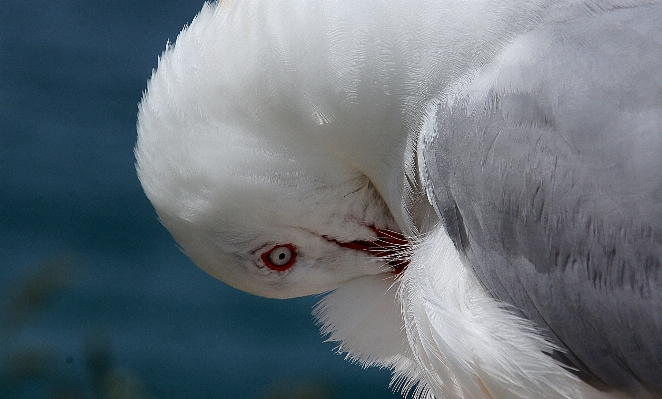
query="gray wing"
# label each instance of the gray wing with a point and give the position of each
(546, 169)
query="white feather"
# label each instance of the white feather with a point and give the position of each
(469, 345)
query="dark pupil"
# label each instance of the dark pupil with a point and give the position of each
(281, 256)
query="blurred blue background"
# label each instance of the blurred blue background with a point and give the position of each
(95, 298)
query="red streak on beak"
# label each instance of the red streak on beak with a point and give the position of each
(389, 244)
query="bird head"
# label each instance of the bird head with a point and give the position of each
(266, 218)
(257, 165)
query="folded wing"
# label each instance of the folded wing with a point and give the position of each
(546, 169)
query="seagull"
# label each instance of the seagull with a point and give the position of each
(475, 185)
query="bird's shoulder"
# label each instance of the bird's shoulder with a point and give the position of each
(544, 166)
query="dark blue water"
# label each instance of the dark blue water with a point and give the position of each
(95, 298)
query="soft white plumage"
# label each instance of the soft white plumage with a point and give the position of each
(303, 123)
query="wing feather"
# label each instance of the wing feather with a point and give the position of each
(545, 168)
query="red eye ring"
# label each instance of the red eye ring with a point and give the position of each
(280, 257)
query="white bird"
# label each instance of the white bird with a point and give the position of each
(478, 184)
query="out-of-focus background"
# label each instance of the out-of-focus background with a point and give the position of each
(96, 301)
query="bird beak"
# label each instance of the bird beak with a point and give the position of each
(389, 245)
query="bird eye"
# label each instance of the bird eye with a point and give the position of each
(280, 257)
